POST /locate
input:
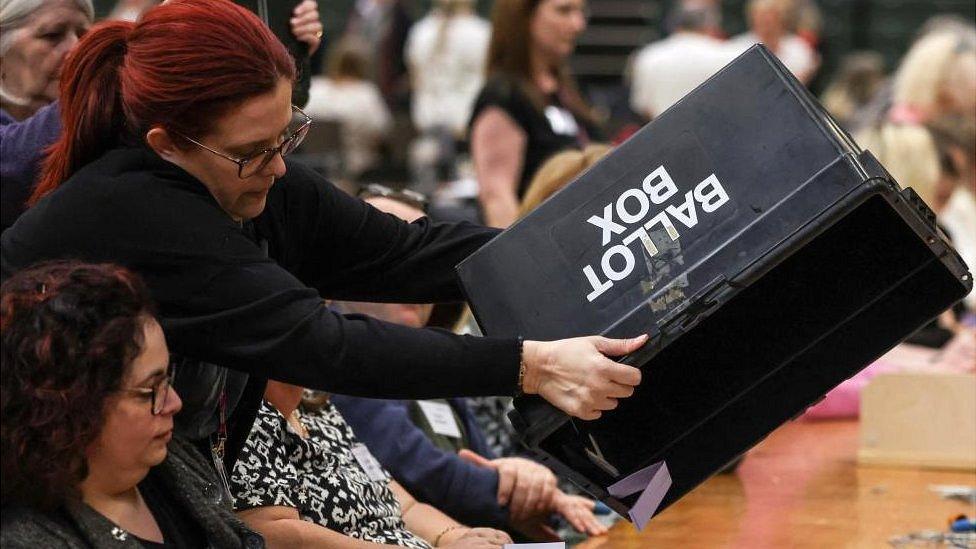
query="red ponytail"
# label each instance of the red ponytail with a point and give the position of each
(185, 64)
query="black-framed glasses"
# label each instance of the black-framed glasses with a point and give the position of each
(257, 161)
(406, 196)
(159, 392)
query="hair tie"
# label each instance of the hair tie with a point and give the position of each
(906, 114)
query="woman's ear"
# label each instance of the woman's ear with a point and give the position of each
(160, 141)
(961, 161)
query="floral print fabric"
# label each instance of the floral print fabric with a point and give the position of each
(319, 476)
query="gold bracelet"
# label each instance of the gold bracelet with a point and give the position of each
(437, 540)
(519, 390)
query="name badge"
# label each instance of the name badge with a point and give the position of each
(440, 417)
(370, 466)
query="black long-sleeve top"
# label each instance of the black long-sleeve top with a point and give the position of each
(224, 299)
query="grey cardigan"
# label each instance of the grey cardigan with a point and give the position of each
(188, 478)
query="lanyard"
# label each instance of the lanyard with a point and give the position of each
(218, 450)
(219, 445)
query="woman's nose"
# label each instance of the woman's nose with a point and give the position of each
(579, 21)
(69, 41)
(276, 167)
(173, 403)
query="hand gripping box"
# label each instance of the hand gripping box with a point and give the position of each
(767, 256)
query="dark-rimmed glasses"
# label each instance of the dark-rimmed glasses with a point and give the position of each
(159, 392)
(257, 161)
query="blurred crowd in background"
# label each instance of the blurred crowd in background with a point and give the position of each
(480, 110)
(463, 100)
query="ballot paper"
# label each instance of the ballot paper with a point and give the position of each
(652, 482)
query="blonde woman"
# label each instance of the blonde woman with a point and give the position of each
(916, 159)
(908, 152)
(955, 139)
(492, 412)
(937, 76)
(557, 172)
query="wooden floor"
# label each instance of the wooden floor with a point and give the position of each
(801, 487)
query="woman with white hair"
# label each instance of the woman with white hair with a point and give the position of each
(35, 37)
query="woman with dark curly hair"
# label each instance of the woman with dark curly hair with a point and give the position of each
(87, 420)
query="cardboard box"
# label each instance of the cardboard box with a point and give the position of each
(919, 419)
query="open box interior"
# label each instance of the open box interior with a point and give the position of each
(776, 347)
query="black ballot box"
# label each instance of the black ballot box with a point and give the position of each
(766, 255)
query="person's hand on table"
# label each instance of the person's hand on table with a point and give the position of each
(474, 538)
(578, 512)
(530, 514)
(576, 376)
(526, 487)
(306, 25)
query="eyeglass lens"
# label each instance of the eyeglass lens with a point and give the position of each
(161, 391)
(294, 135)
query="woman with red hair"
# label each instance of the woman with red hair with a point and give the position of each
(171, 163)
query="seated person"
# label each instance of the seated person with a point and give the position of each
(555, 173)
(455, 471)
(304, 480)
(87, 408)
(349, 98)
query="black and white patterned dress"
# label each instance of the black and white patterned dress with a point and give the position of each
(319, 476)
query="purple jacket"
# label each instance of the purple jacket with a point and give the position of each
(22, 146)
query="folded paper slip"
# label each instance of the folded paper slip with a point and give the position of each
(767, 256)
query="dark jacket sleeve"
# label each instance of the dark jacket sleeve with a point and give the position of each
(349, 250)
(477, 441)
(24, 528)
(260, 319)
(22, 146)
(222, 300)
(464, 491)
